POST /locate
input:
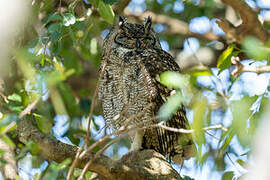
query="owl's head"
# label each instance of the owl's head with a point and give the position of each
(136, 36)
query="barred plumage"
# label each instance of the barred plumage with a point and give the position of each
(130, 86)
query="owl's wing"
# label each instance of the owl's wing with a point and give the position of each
(177, 146)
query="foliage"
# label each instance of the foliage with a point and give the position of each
(58, 62)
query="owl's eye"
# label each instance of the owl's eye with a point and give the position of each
(125, 41)
(138, 43)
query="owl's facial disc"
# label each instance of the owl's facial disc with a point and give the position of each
(136, 36)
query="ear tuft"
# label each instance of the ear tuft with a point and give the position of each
(122, 20)
(147, 24)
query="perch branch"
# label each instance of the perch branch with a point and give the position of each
(240, 68)
(250, 23)
(149, 164)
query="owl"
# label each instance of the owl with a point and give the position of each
(131, 93)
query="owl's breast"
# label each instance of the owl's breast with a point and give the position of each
(126, 89)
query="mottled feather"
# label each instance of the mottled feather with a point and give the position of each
(130, 86)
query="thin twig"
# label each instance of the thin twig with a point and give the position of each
(29, 108)
(85, 169)
(187, 131)
(240, 68)
(4, 97)
(74, 163)
(122, 129)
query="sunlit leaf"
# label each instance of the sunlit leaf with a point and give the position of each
(36, 161)
(200, 108)
(227, 141)
(241, 113)
(43, 123)
(64, 164)
(224, 60)
(51, 175)
(8, 141)
(241, 162)
(227, 175)
(173, 103)
(174, 80)
(255, 49)
(2, 152)
(57, 101)
(106, 12)
(199, 71)
(71, 6)
(15, 97)
(32, 147)
(68, 19)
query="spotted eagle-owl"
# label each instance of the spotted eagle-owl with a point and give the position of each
(131, 93)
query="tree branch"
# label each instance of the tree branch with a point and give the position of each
(250, 25)
(119, 7)
(240, 68)
(136, 165)
(175, 26)
(10, 168)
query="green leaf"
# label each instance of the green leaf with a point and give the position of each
(2, 152)
(2, 162)
(56, 27)
(171, 106)
(32, 147)
(15, 97)
(227, 142)
(188, 178)
(110, 1)
(106, 12)
(200, 108)
(241, 113)
(8, 141)
(224, 60)
(53, 17)
(199, 71)
(43, 123)
(68, 19)
(241, 162)
(64, 164)
(227, 175)
(174, 80)
(36, 161)
(71, 6)
(255, 49)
